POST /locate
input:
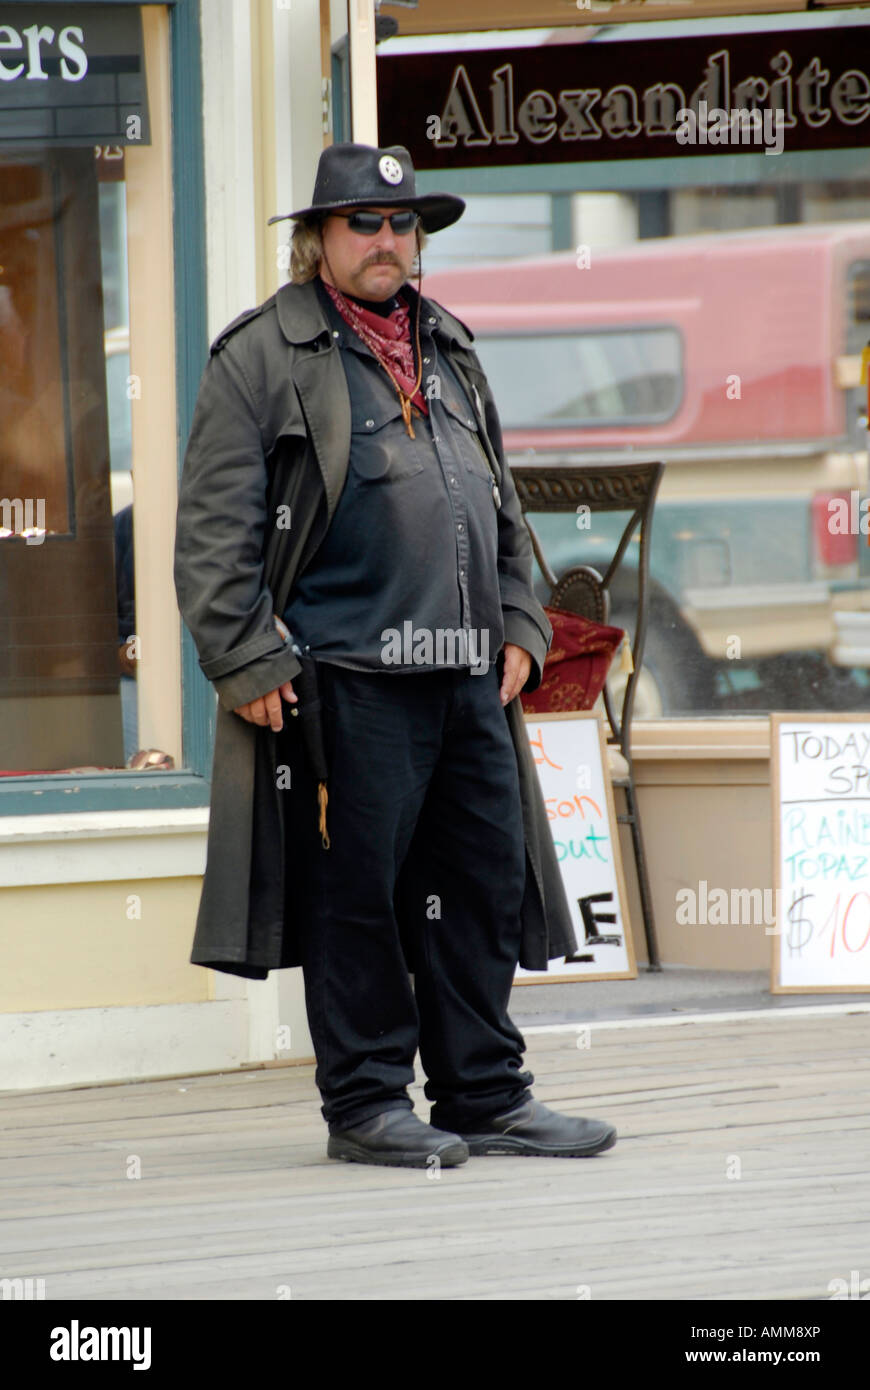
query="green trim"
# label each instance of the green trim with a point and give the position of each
(99, 791)
(191, 324)
(561, 222)
(623, 175)
(72, 4)
(340, 92)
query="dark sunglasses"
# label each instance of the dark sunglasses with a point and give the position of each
(370, 223)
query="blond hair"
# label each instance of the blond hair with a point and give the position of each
(306, 249)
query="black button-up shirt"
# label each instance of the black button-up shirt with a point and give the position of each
(406, 577)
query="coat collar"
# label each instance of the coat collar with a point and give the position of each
(302, 320)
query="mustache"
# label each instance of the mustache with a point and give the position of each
(382, 258)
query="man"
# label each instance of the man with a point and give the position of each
(345, 500)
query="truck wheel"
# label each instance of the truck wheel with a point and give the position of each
(675, 677)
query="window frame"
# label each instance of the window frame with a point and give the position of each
(188, 786)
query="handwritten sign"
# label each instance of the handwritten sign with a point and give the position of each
(821, 818)
(571, 758)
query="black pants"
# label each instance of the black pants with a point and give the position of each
(424, 874)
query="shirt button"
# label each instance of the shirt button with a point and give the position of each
(433, 320)
(335, 333)
(459, 527)
(453, 481)
(470, 422)
(426, 359)
(462, 574)
(369, 424)
(437, 438)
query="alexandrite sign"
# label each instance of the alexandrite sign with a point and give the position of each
(561, 102)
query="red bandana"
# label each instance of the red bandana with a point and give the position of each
(388, 336)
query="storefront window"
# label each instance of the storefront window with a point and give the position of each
(707, 307)
(68, 632)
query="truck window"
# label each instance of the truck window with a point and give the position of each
(604, 377)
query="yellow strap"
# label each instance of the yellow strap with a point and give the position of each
(322, 799)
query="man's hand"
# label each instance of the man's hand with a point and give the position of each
(517, 665)
(267, 709)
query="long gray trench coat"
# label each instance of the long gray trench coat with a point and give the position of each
(265, 464)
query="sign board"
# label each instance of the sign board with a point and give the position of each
(72, 75)
(571, 757)
(821, 857)
(609, 98)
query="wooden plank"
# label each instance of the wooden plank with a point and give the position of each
(237, 1198)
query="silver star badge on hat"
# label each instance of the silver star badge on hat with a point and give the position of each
(390, 169)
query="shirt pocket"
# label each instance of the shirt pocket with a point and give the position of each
(464, 428)
(381, 450)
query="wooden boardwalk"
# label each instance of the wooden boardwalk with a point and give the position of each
(741, 1172)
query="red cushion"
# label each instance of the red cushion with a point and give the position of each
(577, 664)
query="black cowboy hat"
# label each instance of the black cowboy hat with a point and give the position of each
(350, 175)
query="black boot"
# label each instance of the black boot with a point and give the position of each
(532, 1129)
(397, 1139)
